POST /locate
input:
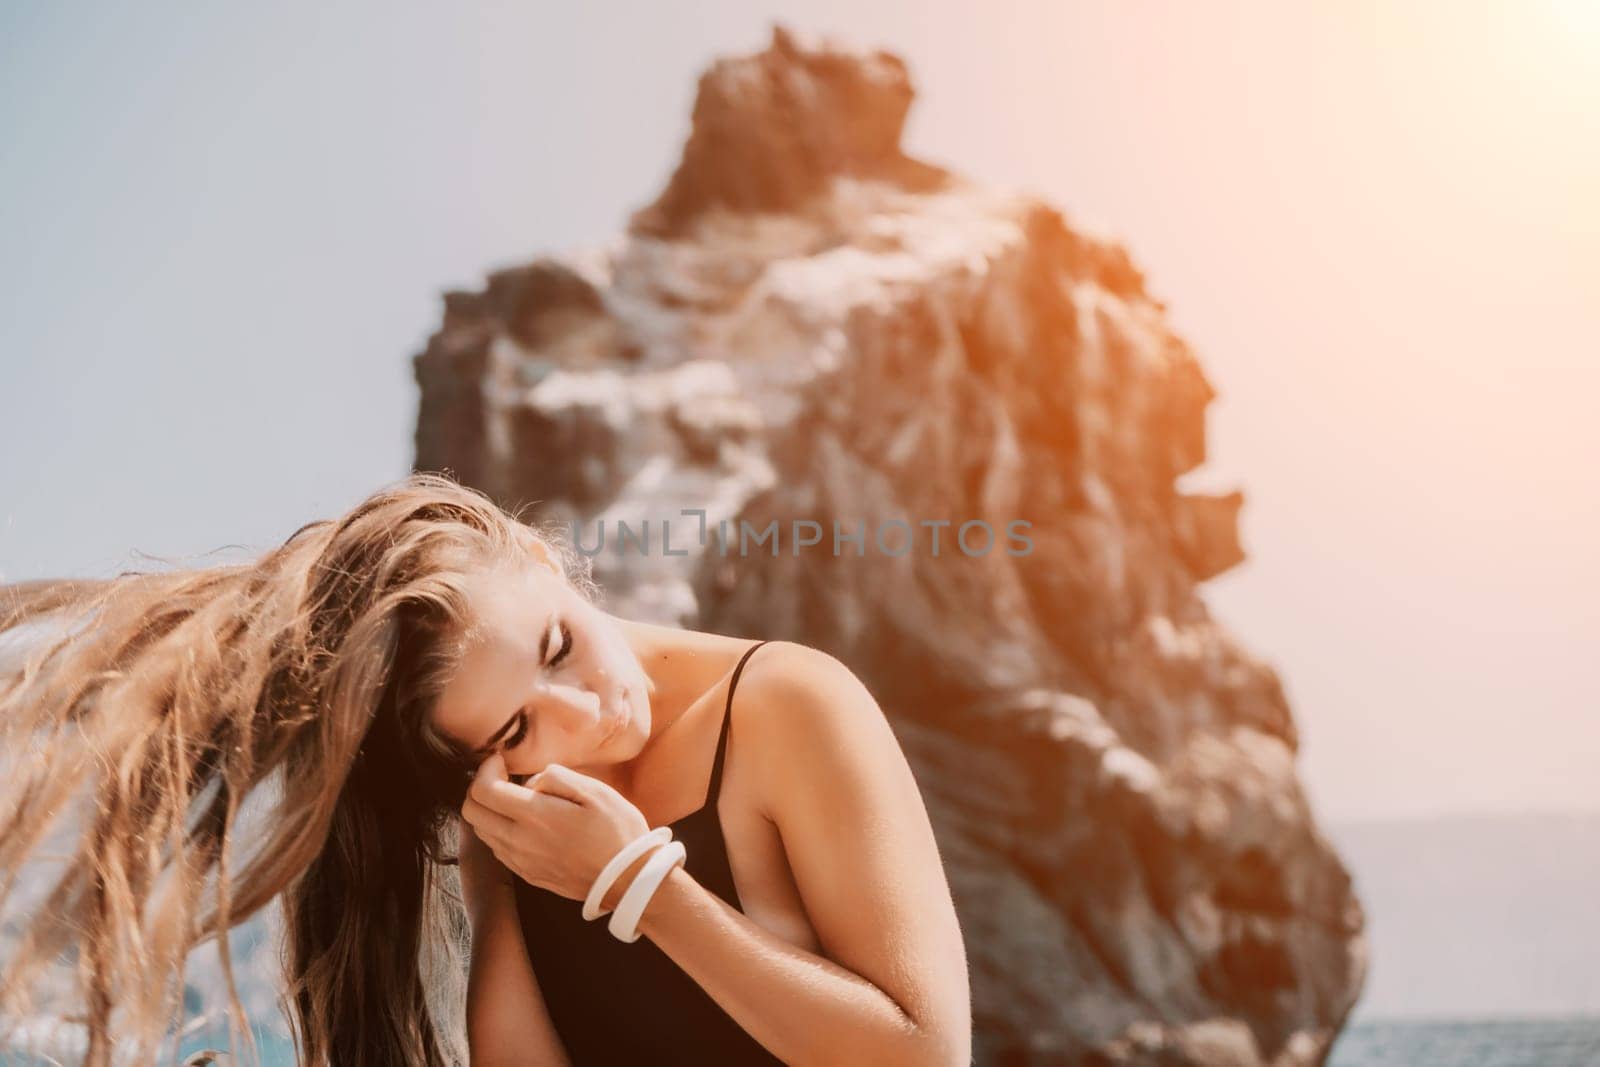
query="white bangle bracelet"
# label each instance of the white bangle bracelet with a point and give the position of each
(625, 920)
(619, 863)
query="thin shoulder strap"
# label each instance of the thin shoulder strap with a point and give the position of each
(715, 788)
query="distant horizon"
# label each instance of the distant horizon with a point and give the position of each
(1465, 815)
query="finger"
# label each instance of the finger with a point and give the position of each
(493, 768)
(484, 835)
(495, 840)
(485, 820)
(560, 781)
(487, 783)
(507, 798)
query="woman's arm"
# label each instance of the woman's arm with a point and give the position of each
(894, 986)
(507, 1022)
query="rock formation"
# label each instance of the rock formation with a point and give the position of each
(809, 327)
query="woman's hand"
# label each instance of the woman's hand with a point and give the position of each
(555, 832)
(480, 870)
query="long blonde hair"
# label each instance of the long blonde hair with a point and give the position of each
(306, 678)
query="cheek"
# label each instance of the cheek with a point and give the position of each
(524, 760)
(608, 661)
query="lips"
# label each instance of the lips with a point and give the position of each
(616, 727)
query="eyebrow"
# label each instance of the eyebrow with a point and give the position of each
(505, 727)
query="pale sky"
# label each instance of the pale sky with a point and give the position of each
(223, 233)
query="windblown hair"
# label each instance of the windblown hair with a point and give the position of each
(304, 678)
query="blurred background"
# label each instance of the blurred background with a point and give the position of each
(227, 229)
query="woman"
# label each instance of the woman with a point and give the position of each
(429, 659)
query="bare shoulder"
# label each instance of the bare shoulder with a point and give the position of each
(811, 717)
(795, 684)
(784, 665)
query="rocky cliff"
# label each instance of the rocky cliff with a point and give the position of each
(811, 336)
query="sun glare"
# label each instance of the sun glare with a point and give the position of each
(1579, 22)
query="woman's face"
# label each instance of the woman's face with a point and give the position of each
(545, 678)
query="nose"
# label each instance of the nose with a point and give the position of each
(570, 708)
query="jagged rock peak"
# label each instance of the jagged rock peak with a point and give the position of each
(771, 129)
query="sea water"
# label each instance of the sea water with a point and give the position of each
(1550, 1042)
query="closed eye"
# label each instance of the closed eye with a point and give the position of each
(519, 733)
(566, 643)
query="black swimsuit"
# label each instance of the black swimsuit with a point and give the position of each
(616, 1002)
